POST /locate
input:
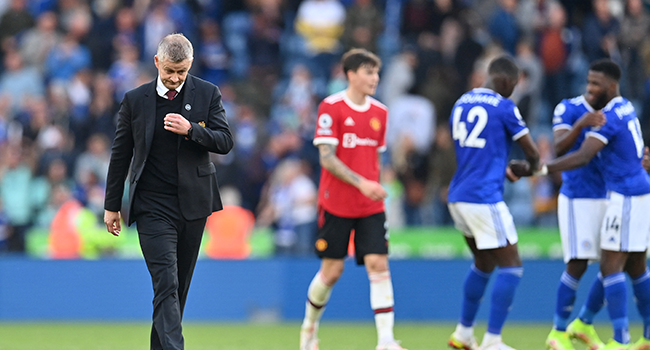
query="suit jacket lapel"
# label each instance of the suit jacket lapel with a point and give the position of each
(149, 109)
(188, 101)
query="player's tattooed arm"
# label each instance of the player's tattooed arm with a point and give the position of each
(329, 161)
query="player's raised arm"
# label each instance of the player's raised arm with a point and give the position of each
(329, 161)
(564, 139)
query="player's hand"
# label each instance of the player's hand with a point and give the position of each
(176, 123)
(645, 161)
(510, 175)
(372, 190)
(112, 221)
(590, 119)
(519, 168)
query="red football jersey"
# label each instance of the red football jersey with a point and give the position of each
(359, 133)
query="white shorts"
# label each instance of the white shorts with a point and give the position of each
(580, 220)
(491, 225)
(626, 226)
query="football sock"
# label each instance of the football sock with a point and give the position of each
(503, 294)
(317, 297)
(473, 290)
(641, 286)
(382, 302)
(616, 296)
(595, 301)
(566, 296)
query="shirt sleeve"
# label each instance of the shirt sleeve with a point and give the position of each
(382, 143)
(606, 132)
(514, 123)
(327, 131)
(561, 119)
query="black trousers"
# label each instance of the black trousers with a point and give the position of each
(170, 245)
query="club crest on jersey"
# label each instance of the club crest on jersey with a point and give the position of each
(202, 123)
(325, 121)
(375, 124)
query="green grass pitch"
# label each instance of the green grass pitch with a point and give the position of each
(250, 336)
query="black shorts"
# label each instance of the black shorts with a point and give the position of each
(334, 235)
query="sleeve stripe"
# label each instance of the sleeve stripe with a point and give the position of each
(381, 149)
(594, 134)
(562, 127)
(520, 134)
(326, 140)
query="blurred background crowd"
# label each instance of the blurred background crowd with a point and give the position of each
(66, 65)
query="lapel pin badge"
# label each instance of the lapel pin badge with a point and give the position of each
(202, 123)
(188, 107)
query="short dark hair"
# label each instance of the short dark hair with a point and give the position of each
(608, 67)
(504, 65)
(355, 58)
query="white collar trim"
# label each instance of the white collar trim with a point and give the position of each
(359, 108)
(162, 90)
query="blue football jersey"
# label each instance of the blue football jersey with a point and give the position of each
(483, 126)
(620, 159)
(586, 181)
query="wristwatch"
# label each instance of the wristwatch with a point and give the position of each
(189, 132)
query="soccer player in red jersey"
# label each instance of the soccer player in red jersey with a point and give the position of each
(350, 134)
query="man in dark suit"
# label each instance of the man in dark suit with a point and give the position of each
(165, 131)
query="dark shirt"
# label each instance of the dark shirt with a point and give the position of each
(160, 174)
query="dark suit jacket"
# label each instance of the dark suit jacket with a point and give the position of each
(198, 192)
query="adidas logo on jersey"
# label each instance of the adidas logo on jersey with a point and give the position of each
(349, 121)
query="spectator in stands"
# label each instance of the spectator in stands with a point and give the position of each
(554, 47)
(214, 59)
(15, 188)
(15, 20)
(94, 160)
(36, 43)
(363, 25)
(290, 208)
(599, 32)
(4, 229)
(337, 80)
(631, 38)
(399, 75)
(503, 26)
(155, 25)
(127, 31)
(66, 59)
(79, 95)
(124, 71)
(102, 31)
(416, 19)
(18, 82)
(43, 190)
(469, 48)
(264, 48)
(442, 165)
(321, 24)
(532, 16)
(528, 93)
(410, 132)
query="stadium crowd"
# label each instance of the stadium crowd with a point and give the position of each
(67, 64)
